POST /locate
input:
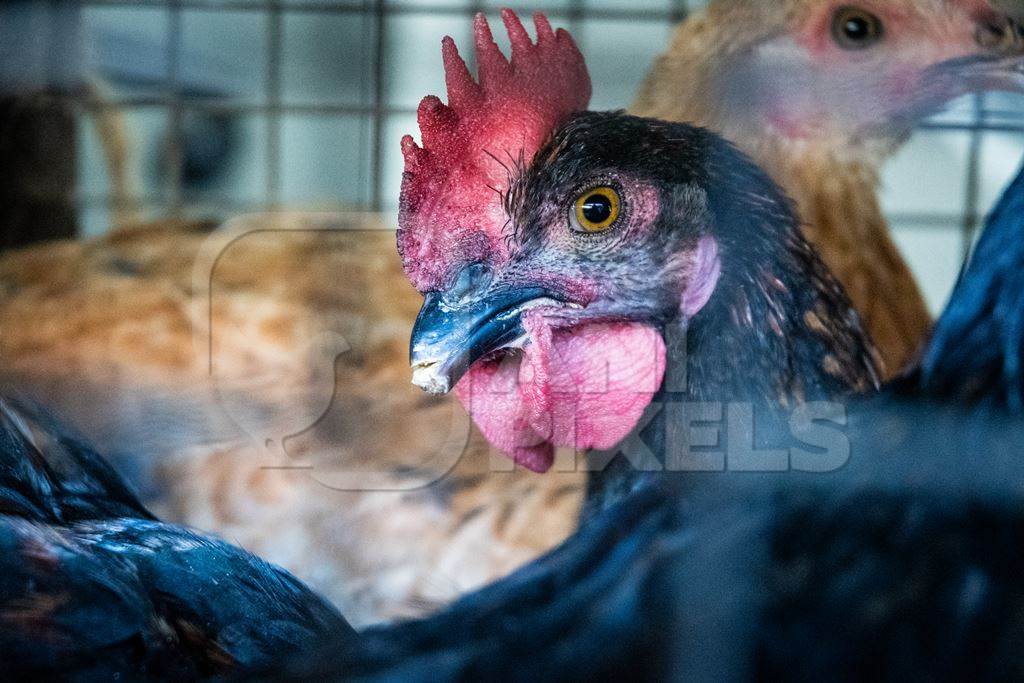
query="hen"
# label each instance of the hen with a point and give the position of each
(821, 93)
(895, 560)
(105, 331)
(606, 253)
(890, 555)
(902, 563)
(204, 380)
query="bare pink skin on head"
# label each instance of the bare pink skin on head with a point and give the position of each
(450, 210)
(703, 279)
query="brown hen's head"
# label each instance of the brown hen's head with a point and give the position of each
(557, 251)
(839, 71)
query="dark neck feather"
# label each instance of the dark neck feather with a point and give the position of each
(779, 328)
(779, 334)
(778, 331)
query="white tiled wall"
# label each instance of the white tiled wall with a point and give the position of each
(328, 59)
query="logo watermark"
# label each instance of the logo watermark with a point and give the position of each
(320, 387)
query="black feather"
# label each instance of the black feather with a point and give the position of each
(977, 350)
(93, 586)
(904, 564)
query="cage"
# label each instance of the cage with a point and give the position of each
(218, 107)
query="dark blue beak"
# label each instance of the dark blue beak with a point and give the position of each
(458, 327)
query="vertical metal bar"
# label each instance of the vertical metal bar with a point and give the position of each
(377, 149)
(473, 8)
(680, 9)
(575, 15)
(970, 218)
(275, 30)
(175, 157)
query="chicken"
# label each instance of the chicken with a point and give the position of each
(563, 288)
(821, 93)
(95, 587)
(110, 335)
(104, 332)
(901, 563)
(893, 557)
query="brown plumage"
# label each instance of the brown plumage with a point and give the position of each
(105, 331)
(838, 201)
(773, 78)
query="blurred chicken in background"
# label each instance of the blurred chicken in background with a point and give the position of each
(821, 94)
(306, 324)
(249, 438)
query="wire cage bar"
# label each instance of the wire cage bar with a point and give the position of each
(372, 116)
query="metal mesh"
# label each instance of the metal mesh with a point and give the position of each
(371, 112)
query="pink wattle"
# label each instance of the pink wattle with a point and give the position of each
(584, 387)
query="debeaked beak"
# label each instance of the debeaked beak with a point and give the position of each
(993, 72)
(1000, 65)
(458, 327)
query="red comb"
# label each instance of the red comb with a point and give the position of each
(450, 211)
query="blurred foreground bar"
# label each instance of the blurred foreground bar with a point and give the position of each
(39, 57)
(37, 155)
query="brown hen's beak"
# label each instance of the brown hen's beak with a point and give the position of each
(470, 320)
(992, 73)
(1000, 65)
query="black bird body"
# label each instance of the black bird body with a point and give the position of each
(903, 564)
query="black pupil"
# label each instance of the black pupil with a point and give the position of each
(597, 208)
(857, 28)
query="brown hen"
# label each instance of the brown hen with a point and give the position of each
(214, 388)
(821, 93)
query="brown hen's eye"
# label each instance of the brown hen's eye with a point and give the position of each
(595, 210)
(1004, 35)
(854, 28)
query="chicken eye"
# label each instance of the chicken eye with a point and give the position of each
(595, 210)
(996, 36)
(854, 28)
